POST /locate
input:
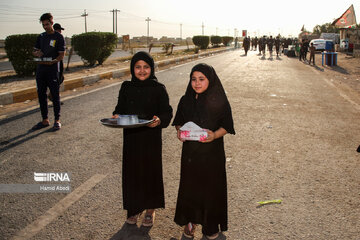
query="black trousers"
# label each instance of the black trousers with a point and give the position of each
(44, 80)
(312, 56)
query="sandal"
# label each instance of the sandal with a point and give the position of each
(133, 219)
(57, 126)
(40, 125)
(189, 230)
(214, 236)
(149, 220)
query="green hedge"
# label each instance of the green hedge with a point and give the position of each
(216, 40)
(201, 41)
(94, 47)
(227, 40)
(19, 50)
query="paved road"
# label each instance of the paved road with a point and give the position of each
(6, 65)
(295, 141)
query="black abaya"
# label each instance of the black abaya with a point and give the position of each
(202, 197)
(142, 149)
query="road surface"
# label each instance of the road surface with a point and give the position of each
(296, 139)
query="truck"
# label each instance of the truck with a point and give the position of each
(335, 37)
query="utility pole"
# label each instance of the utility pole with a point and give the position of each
(115, 11)
(148, 21)
(202, 26)
(85, 15)
(180, 31)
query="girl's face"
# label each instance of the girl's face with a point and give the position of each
(199, 82)
(142, 70)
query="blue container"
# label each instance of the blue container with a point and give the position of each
(329, 46)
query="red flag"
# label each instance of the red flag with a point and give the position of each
(347, 19)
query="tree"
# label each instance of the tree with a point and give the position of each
(325, 28)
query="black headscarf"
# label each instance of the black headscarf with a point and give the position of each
(146, 57)
(211, 109)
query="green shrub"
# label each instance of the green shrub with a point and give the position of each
(94, 47)
(19, 50)
(216, 40)
(227, 40)
(201, 41)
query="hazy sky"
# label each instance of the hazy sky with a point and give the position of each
(219, 17)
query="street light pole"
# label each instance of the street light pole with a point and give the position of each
(116, 23)
(180, 31)
(148, 20)
(85, 15)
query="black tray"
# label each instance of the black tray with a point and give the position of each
(112, 122)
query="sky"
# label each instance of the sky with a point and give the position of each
(174, 18)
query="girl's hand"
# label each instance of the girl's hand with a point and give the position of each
(214, 135)
(115, 116)
(155, 123)
(211, 136)
(179, 135)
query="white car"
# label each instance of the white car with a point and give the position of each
(319, 44)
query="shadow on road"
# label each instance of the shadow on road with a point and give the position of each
(339, 69)
(12, 142)
(132, 232)
(318, 68)
(19, 116)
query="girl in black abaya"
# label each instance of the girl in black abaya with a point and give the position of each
(202, 197)
(142, 180)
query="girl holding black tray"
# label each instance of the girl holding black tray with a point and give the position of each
(202, 197)
(142, 179)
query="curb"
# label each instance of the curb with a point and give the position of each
(25, 94)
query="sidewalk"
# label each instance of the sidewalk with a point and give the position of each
(21, 91)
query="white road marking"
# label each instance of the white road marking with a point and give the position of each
(33, 228)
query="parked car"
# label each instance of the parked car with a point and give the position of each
(320, 44)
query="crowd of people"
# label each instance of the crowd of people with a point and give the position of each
(267, 43)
